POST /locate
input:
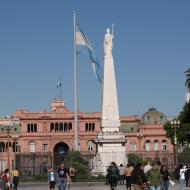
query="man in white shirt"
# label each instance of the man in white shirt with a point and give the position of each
(182, 177)
(121, 173)
(147, 167)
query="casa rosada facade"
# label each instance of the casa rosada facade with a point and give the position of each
(53, 133)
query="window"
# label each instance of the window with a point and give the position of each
(32, 146)
(61, 127)
(133, 147)
(147, 145)
(52, 127)
(90, 146)
(35, 127)
(15, 147)
(56, 127)
(156, 145)
(31, 127)
(89, 127)
(164, 145)
(45, 148)
(70, 126)
(65, 127)
(2, 147)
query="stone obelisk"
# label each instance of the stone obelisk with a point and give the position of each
(110, 141)
(110, 111)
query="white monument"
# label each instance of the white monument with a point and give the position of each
(110, 141)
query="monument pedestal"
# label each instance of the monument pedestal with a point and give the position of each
(111, 148)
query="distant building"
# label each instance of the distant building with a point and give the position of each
(40, 139)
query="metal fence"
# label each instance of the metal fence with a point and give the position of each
(165, 157)
(35, 165)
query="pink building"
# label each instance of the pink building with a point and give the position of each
(40, 139)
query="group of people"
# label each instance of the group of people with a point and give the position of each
(183, 175)
(152, 176)
(64, 177)
(9, 180)
(115, 175)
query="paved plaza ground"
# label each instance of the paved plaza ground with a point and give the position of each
(80, 186)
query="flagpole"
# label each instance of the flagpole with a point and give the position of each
(75, 86)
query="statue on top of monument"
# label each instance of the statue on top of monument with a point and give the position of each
(108, 43)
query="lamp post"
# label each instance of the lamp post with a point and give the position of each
(175, 124)
(139, 136)
(8, 129)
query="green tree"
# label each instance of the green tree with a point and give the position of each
(133, 159)
(183, 132)
(76, 160)
(187, 82)
(184, 156)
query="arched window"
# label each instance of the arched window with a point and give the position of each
(28, 127)
(32, 146)
(52, 127)
(86, 127)
(35, 127)
(65, 127)
(133, 147)
(15, 147)
(164, 145)
(156, 145)
(2, 147)
(147, 145)
(70, 126)
(32, 127)
(90, 126)
(56, 127)
(90, 146)
(93, 126)
(61, 126)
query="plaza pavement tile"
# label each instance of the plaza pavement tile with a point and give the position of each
(81, 186)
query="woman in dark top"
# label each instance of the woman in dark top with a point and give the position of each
(113, 175)
(138, 177)
(165, 177)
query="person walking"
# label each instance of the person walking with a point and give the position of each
(128, 176)
(113, 173)
(63, 176)
(139, 179)
(121, 174)
(15, 176)
(182, 170)
(51, 178)
(5, 177)
(187, 175)
(72, 174)
(165, 177)
(154, 177)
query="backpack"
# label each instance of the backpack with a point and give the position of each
(113, 171)
(4, 178)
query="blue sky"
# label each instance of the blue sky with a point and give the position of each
(151, 52)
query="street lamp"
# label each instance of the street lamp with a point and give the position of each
(139, 136)
(8, 128)
(175, 124)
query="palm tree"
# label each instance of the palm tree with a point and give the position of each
(187, 82)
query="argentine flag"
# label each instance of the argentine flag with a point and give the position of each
(84, 46)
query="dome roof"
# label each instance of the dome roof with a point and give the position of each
(152, 116)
